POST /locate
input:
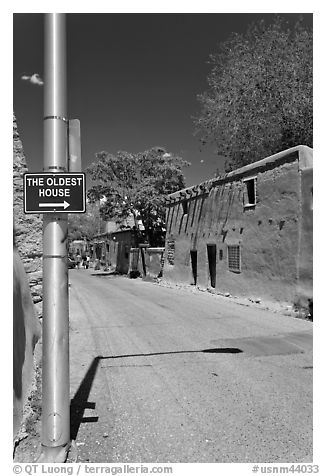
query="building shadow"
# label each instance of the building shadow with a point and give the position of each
(80, 403)
(225, 350)
(219, 350)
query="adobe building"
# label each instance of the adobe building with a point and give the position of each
(120, 243)
(112, 248)
(248, 232)
(78, 247)
(121, 249)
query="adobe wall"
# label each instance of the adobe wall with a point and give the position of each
(112, 255)
(305, 255)
(153, 263)
(268, 234)
(119, 250)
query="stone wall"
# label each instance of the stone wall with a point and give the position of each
(26, 333)
(27, 288)
(27, 228)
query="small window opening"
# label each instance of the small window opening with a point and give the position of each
(234, 258)
(250, 192)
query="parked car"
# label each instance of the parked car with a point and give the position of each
(71, 263)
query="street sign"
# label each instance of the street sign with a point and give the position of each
(54, 193)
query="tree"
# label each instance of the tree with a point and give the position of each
(85, 225)
(137, 184)
(260, 93)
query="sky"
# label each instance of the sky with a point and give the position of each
(133, 81)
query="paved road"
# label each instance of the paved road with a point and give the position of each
(168, 375)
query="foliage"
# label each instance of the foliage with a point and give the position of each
(260, 96)
(136, 185)
(85, 225)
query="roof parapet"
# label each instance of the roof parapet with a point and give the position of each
(304, 157)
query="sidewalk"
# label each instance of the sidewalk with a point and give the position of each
(285, 308)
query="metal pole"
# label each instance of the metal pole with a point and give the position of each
(55, 365)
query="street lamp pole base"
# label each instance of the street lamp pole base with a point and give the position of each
(54, 454)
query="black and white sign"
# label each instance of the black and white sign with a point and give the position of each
(54, 193)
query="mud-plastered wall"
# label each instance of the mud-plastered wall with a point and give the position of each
(270, 238)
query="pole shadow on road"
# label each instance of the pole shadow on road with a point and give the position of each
(80, 403)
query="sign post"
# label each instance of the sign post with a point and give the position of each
(55, 338)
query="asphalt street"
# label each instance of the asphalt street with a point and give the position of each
(161, 374)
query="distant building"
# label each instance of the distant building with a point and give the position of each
(113, 246)
(78, 247)
(247, 233)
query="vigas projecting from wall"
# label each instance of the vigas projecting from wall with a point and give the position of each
(248, 232)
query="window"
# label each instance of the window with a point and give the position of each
(170, 251)
(250, 191)
(234, 258)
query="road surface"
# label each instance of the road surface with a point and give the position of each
(161, 374)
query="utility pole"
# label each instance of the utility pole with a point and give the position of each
(55, 358)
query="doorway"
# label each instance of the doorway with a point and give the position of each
(211, 254)
(193, 257)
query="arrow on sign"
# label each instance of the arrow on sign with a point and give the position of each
(64, 205)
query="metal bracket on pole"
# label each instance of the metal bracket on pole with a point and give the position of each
(54, 167)
(74, 146)
(64, 119)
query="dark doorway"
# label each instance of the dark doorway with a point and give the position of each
(193, 256)
(211, 254)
